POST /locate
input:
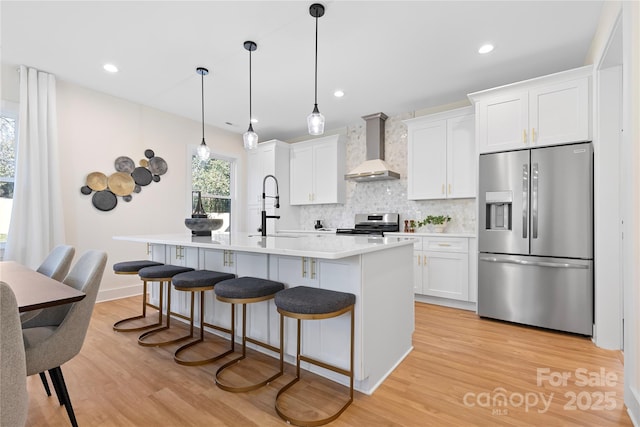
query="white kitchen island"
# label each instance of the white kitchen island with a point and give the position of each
(378, 270)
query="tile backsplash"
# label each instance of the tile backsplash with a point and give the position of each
(386, 196)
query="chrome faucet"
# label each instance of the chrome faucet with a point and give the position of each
(263, 227)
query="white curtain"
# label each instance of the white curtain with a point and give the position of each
(36, 219)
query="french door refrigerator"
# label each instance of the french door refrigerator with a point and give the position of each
(535, 238)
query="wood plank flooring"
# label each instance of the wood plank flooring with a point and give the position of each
(462, 371)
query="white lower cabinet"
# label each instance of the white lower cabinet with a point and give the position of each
(444, 267)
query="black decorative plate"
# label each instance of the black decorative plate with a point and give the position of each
(142, 176)
(104, 200)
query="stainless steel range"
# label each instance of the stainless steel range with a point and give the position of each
(373, 224)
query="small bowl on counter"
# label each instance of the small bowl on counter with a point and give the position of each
(203, 226)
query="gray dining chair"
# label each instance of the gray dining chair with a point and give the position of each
(14, 400)
(56, 265)
(49, 347)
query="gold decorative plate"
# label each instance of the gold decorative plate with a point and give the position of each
(97, 181)
(121, 184)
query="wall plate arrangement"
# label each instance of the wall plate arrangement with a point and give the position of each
(126, 180)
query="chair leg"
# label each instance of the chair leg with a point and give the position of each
(45, 383)
(59, 378)
(56, 387)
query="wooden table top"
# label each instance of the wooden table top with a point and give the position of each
(34, 290)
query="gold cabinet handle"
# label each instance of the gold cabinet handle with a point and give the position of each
(304, 270)
(148, 248)
(449, 188)
(442, 188)
(524, 136)
(419, 261)
(533, 135)
(230, 258)
(424, 261)
(444, 244)
(313, 268)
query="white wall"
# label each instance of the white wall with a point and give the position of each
(95, 129)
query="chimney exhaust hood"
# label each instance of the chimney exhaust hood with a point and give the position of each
(374, 168)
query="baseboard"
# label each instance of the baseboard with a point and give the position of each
(463, 305)
(118, 293)
(633, 405)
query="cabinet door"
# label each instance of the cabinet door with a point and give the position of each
(325, 173)
(446, 275)
(427, 156)
(219, 260)
(461, 157)
(418, 260)
(559, 113)
(301, 175)
(503, 123)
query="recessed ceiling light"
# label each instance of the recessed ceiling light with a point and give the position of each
(485, 48)
(338, 93)
(110, 68)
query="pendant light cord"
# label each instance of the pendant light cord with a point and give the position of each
(202, 92)
(316, 76)
(250, 113)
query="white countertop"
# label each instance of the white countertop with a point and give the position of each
(325, 245)
(431, 234)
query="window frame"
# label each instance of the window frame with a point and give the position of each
(11, 110)
(192, 150)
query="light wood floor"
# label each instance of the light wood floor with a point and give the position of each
(459, 369)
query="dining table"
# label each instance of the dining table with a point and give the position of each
(35, 291)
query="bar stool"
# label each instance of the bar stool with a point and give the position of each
(132, 267)
(163, 274)
(247, 290)
(305, 303)
(200, 281)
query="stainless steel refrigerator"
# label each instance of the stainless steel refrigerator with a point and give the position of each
(535, 237)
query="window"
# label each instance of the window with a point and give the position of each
(214, 179)
(8, 132)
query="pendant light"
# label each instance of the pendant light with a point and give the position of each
(203, 150)
(250, 137)
(315, 120)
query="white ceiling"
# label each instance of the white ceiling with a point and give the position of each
(390, 56)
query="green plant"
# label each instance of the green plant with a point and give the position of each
(435, 220)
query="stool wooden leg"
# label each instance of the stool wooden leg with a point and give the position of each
(182, 361)
(117, 326)
(245, 339)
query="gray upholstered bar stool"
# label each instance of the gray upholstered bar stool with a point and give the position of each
(248, 290)
(132, 267)
(200, 281)
(305, 303)
(163, 274)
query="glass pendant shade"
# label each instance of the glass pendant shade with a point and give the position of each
(315, 122)
(203, 151)
(250, 139)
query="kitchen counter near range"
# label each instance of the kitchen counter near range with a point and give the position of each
(316, 245)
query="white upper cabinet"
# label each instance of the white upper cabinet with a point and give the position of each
(269, 158)
(441, 155)
(548, 110)
(317, 171)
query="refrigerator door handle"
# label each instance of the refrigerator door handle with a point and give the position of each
(534, 263)
(525, 199)
(534, 201)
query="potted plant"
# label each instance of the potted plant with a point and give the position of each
(436, 223)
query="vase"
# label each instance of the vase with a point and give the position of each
(439, 228)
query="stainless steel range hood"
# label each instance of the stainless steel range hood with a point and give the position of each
(374, 168)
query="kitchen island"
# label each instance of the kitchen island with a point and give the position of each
(377, 270)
